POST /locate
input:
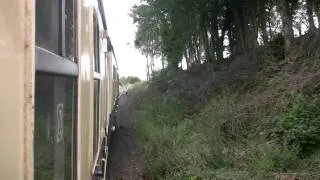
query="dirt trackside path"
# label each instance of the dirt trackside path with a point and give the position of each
(125, 161)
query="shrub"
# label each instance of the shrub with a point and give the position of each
(299, 126)
(175, 148)
(272, 158)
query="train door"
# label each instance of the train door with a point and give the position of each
(55, 123)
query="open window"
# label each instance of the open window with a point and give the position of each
(55, 91)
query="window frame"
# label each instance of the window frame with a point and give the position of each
(52, 63)
(96, 77)
(47, 62)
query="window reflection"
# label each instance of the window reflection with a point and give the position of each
(48, 24)
(53, 133)
(96, 118)
(69, 29)
(96, 45)
(54, 31)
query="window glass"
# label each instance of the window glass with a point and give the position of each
(53, 134)
(69, 29)
(96, 117)
(96, 45)
(49, 32)
(48, 24)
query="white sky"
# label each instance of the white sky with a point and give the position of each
(122, 33)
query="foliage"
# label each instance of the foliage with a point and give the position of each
(129, 80)
(299, 126)
(204, 30)
(175, 148)
(272, 158)
(183, 146)
(231, 135)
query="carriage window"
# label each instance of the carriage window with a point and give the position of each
(96, 44)
(55, 26)
(96, 70)
(69, 29)
(48, 24)
(53, 134)
(96, 117)
(55, 89)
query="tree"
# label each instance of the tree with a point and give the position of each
(317, 10)
(310, 7)
(129, 80)
(197, 31)
(287, 8)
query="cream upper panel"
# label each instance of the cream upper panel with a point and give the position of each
(16, 97)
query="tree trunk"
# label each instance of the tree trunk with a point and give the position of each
(215, 39)
(162, 62)
(198, 49)
(147, 68)
(241, 29)
(151, 66)
(195, 49)
(219, 47)
(299, 29)
(263, 27)
(287, 30)
(318, 17)
(252, 34)
(317, 11)
(269, 22)
(229, 28)
(206, 44)
(264, 35)
(187, 57)
(191, 50)
(309, 6)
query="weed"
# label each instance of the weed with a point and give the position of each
(299, 126)
(272, 158)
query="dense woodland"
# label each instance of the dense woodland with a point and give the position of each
(214, 30)
(246, 104)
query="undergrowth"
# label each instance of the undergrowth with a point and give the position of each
(268, 132)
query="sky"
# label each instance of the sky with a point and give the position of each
(122, 33)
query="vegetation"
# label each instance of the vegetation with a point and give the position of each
(229, 137)
(205, 30)
(129, 80)
(246, 107)
(299, 126)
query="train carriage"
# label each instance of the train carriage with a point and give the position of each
(59, 89)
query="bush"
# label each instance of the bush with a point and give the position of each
(129, 80)
(299, 126)
(272, 158)
(174, 146)
(196, 146)
(178, 146)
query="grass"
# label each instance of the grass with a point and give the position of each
(178, 146)
(270, 130)
(175, 146)
(182, 147)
